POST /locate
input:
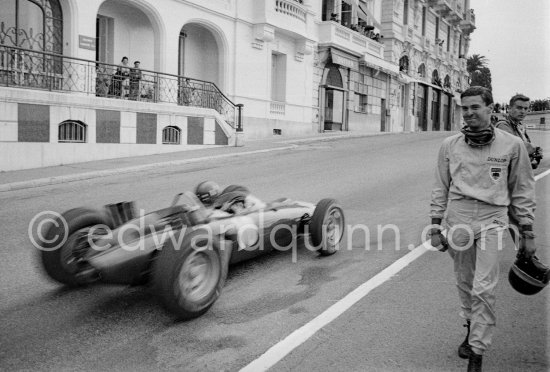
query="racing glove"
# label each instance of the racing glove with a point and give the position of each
(437, 240)
(528, 247)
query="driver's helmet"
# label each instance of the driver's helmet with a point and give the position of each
(207, 192)
(230, 195)
(528, 275)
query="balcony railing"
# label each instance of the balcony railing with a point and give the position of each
(469, 22)
(290, 8)
(344, 37)
(25, 68)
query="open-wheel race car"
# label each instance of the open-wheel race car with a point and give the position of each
(183, 251)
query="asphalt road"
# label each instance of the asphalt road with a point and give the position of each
(409, 323)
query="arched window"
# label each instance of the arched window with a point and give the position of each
(404, 64)
(171, 135)
(334, 78)
(422, 70)
(72, 131)
(447, 82)
(435, 78)
(32, 24)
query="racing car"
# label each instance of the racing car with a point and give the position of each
(183, 251)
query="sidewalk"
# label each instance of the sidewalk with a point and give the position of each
(28, 178)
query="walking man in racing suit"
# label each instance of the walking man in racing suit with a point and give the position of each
(480, 173)
(519, 104)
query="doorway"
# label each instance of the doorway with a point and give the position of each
(334, 109)
(436, 96)
(382, 115)
(421, 117)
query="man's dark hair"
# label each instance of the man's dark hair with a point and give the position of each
(485, 94)
(518, 97)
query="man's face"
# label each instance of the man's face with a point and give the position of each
(518, 110)
(476, 113)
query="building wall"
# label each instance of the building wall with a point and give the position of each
(231, 44)
(29, 131)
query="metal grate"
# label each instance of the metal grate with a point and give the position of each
(171, 135)
(72, 131)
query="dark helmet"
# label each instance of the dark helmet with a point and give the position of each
(207, 192)
(232, 194)
(528, 275)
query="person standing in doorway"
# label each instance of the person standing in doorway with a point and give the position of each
(480, 173)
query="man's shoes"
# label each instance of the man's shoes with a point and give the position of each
(474, 362)
(464, 350)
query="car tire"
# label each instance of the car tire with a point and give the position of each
(327, 226)
(189, 280)
(66, 244)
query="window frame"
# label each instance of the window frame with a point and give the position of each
(170, 131)
(72, 131)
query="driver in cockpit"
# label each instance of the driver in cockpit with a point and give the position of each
(234, 199)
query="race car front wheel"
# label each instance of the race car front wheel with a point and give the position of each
(327, 226)
(66, 244)
(189, 278)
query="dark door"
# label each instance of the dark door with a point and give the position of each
(382, 115)
(446, 112)
(334, 109)
(421, 118)
(436, 97)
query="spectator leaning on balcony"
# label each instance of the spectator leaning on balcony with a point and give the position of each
(135, 79)
(481, 172)
(103, 79)
(120, 79)
(186, 92)
(519, 105)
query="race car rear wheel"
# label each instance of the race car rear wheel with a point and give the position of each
(189, 278)
(327, 226)
(66, 244)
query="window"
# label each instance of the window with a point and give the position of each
(436, 29)
(423, 21)
(448, 38)
(360, 102)
(422, 70)
(406, 12)
(334, 78)
(36, 25)
(404, 64)
(171, 135)
(435, 78)
(447, 82)
(72, 131)
(346, 13)
(278, 77)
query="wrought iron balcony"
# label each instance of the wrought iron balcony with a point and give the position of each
(25, 68)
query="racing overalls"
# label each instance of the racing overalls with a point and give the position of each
(474, 186)
(516, 128)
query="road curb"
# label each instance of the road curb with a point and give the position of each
(109, 172)
(289, 144)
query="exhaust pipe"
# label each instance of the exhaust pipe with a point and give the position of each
(122, 212)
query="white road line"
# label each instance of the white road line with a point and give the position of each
(543, 174)
(296, 338)
(302, 334)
